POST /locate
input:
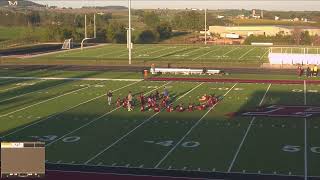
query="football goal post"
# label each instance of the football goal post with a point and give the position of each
(67, 44)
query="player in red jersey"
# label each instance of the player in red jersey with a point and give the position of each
(118, 102)
(180, 108)
(170, 108)
(190, 107)
(156, 108)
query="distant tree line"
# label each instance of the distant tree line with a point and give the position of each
(297, 37)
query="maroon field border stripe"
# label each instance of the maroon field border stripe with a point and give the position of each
(234, 80)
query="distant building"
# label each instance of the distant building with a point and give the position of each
(296, 19)
(256, 16)
(276, 18)
(268, 30)
(220, 17)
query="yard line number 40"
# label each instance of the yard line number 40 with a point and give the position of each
(49, 138)
(293, 149)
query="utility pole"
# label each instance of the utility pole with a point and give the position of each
(205, 26)
(85, 26)
(94, 26)
(129, 32)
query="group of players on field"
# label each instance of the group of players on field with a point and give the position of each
(157, 102)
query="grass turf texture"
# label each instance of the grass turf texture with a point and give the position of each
(194, 55)
(79, 128)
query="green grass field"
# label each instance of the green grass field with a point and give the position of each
(162, 54)
(73, 118)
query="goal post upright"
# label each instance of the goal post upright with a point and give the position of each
(85, 26)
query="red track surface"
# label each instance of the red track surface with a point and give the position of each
(235, 80)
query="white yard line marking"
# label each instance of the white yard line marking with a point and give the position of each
(246, 173)
(32, 92)
(37, 122)
(205, 54)
(305, 135)
(246, 53)
(247, 132)
(47, 100)
(142, 49)
(190, 130)
(197, 49)
(264, 54)
(171, 52)
(153, 52)
(146, 49)
(141, 124)
(112, 52)
(233, 49)
(96, 119)
(61, 78)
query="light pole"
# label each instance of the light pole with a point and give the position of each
(129, 32)
(205, 26)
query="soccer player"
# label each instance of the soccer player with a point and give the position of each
(190, 107)
(165, 92)
(308, 73)
(315, 70)
(157, 95)
(130, 101)
(170, 108)
(109, 95)
(156, 108)
(118, 103)
(163, 103)
(141, 99)
(180, 108)
(203, 99)
(125, 102)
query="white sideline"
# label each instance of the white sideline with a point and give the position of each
(62, 78)
(190, 130)
(49, 87)
(127, 134)
(247, 132)
(246, 173)
(15, 87)
(94, 120)
(43, 101)
(56, 114)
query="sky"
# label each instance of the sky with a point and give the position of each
(293, 5)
